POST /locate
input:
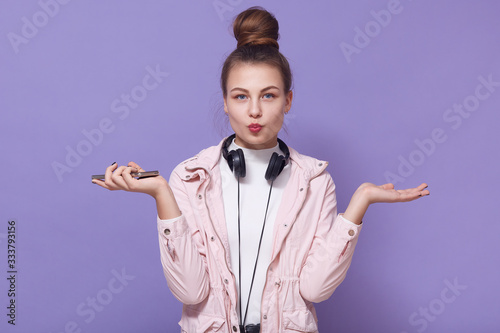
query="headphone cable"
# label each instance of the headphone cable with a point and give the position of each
(258, 250)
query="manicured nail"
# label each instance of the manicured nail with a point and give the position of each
(113, 163)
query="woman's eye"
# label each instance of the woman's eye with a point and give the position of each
(268, 96)
(240, 97)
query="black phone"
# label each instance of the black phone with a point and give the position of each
(137, 175)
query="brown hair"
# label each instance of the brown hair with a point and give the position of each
(256, 31)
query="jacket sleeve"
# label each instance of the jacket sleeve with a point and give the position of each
(182, 251)
(331, 251)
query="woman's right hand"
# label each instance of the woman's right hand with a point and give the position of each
(120, 178)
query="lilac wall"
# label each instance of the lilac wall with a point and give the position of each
(403, 91)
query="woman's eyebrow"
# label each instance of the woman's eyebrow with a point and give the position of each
(270, 87)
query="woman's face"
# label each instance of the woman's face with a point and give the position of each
(256, 104)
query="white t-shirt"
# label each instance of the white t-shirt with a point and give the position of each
(254, 193)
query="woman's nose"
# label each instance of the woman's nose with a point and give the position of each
(255, 110)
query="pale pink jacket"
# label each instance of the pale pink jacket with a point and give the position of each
(313, 248)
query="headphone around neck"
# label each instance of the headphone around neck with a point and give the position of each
(236, 160)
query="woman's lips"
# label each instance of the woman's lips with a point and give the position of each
(254, 128)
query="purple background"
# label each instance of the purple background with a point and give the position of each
(363, 113)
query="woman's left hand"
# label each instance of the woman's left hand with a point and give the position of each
(368, 193)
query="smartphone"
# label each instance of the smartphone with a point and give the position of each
(137, 175)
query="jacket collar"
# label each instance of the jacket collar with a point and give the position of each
(207, 159)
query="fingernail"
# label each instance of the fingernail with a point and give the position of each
(113, 163)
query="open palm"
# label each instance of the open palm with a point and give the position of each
(368, 193)
(386, 193)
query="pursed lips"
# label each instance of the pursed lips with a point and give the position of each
(255, 127)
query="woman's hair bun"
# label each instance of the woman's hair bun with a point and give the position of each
(256, 26)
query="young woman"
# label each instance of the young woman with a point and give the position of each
(249, 232)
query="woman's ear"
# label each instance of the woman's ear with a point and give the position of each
(288, 101)
(225, 105)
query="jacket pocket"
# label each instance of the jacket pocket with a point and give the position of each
(302, 320)
(193, 321)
